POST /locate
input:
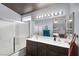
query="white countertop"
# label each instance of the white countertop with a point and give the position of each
(61, 42)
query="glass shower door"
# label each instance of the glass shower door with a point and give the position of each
(6, 38)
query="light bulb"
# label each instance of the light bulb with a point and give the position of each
(70, 20)
(55, 21)
(45, 15)
(52, 14)
(55, 14)
(37, 17)
(48, 14)
(60, 12)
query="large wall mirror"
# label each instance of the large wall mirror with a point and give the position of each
(57, 25)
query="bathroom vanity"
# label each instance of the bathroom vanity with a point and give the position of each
(46, 46)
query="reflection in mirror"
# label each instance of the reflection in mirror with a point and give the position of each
(43, 27)
(70, 25)
(59, 26)
(64, 25)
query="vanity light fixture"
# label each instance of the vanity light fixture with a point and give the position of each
(45, 15)
(52, 14)
(37, 17)
(56, 13)
(42, 16)
(48, 14)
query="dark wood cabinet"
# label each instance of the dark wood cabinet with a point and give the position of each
(31, 49)
(42, 49)
(56, 51)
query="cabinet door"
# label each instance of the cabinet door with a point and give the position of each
(50, 51)
(31, 48)
(41, 49)
(56, 51)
